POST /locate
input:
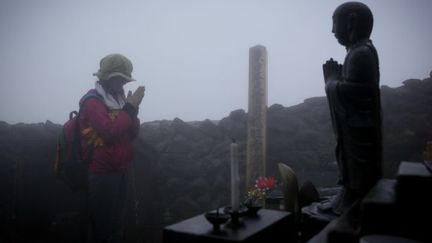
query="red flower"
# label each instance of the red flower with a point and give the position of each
(263, 187)
(265, 183)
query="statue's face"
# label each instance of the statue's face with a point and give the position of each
(340, 29)
(352, 21)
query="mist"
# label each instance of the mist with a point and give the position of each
(191, 55)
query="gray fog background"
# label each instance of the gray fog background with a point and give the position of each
(192, 55)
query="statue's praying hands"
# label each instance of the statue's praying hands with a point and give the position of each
(332, 70)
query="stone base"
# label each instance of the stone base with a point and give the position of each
(414, 183)
(342, 229)
(381, 200)
(400, 208)
(313, 221)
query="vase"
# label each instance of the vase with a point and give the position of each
(252, 209)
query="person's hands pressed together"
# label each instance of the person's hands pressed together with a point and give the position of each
(135, 98)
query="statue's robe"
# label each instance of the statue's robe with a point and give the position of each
(356, 118)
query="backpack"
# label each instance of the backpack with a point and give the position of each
(69, 166)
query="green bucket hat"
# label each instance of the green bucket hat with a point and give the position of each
(115, 65)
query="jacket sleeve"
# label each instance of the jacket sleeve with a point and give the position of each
(135, 128)
(110, 130)
(133, 112)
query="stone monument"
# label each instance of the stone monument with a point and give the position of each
(257, 115)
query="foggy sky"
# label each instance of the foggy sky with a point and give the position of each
(192, 55)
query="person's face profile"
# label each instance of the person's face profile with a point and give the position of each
(115, 84)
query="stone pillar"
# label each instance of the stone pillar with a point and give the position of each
(257, 115)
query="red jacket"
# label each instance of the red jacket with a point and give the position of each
(111, 133)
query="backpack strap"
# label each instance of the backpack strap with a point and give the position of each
(71, 115)
(76, 145)
(91, 94)
(76, 140)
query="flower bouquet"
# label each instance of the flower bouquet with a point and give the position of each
(257, 194)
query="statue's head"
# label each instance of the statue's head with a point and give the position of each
(352, 21)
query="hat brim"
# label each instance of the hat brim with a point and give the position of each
(103, 77)
(129, 79)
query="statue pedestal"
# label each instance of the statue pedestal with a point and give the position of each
(394, 207)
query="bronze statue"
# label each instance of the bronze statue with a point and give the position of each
(354, 98)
